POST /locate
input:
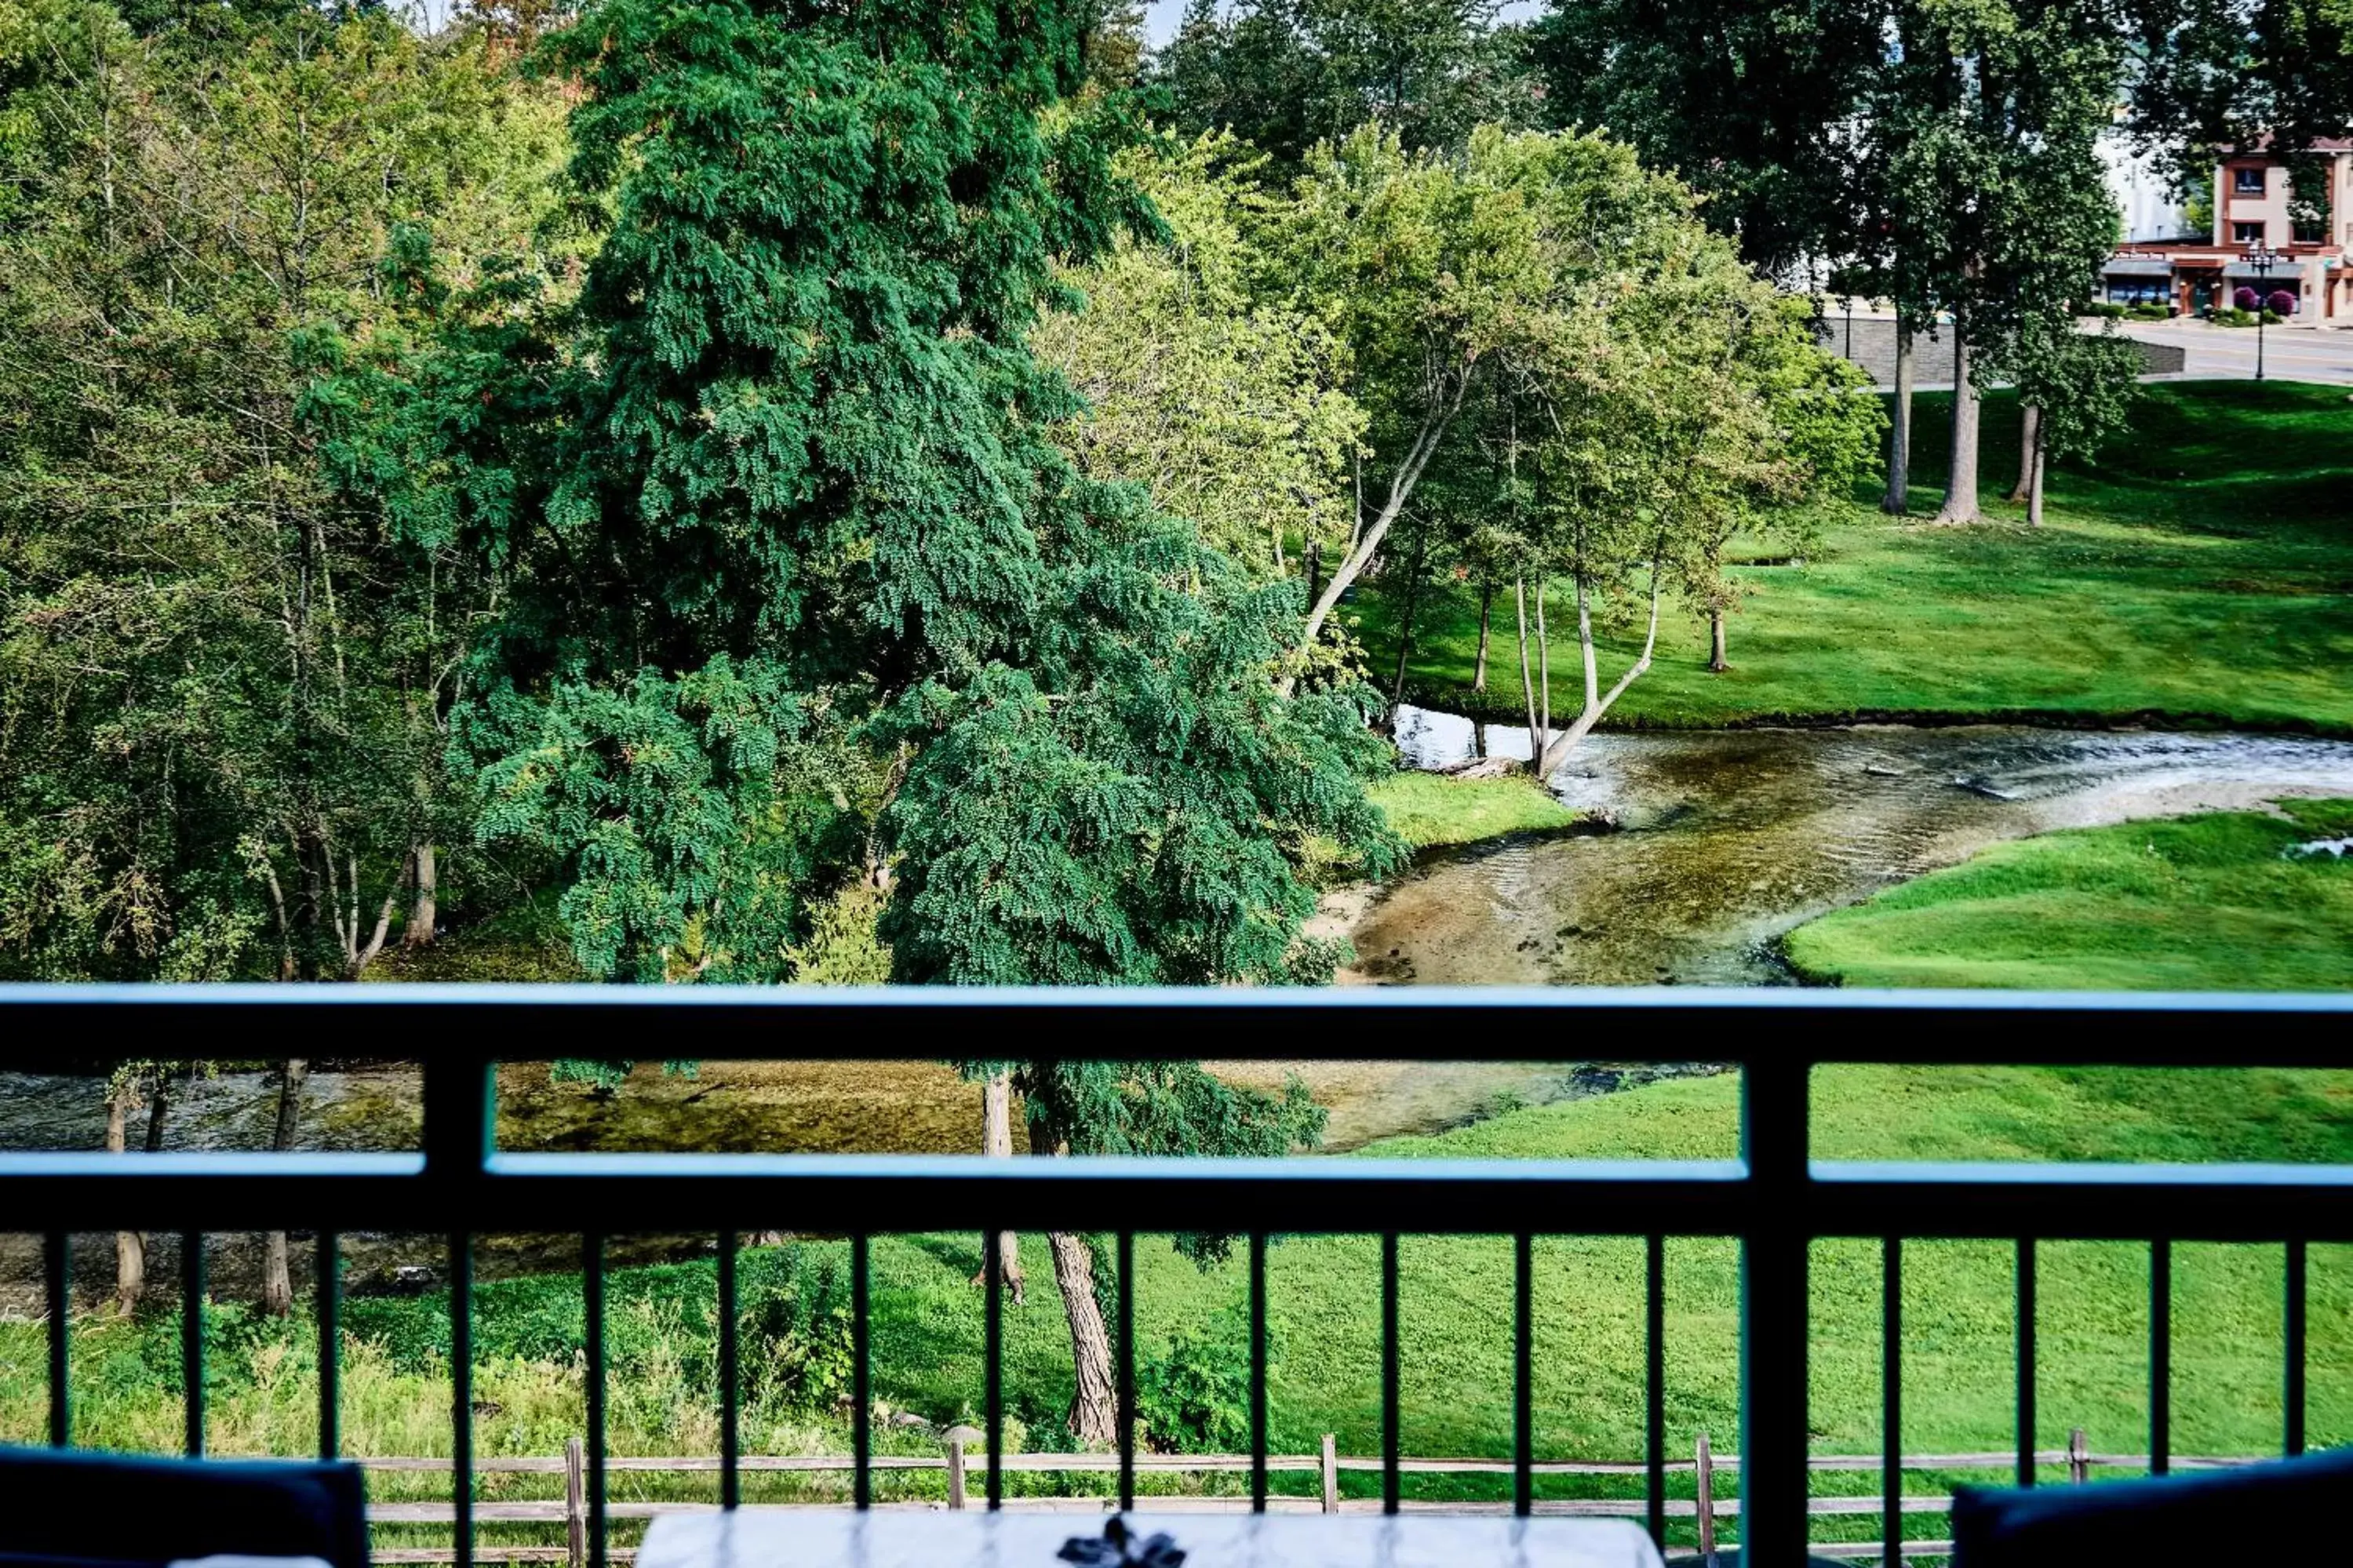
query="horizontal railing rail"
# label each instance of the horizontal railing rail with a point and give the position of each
(1775, 1199)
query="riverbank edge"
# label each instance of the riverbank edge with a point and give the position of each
(1780, 950)
(1489, 709)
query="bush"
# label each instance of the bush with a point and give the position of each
(2282, 302)
(2234, 318)
(2150, 313)
(797, 1349)
(1194, 1397)
(2245, 299)
(2106, 309)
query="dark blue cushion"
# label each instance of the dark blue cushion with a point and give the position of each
(2260, 1513)
(66, 1505)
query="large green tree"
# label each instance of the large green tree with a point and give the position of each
(222, 685)
(1752, 105)
(1285, 75)
(800, 590)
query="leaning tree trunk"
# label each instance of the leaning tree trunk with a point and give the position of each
(1961, 483)
(1899, 448)
(425, 911)
(1486, 608)
(1095, 1407)
(277, 1280)
(996, 1142)
(2030, 445)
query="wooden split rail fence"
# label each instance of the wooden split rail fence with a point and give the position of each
(1704, 1506)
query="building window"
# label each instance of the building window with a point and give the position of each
(2246, 234)
(2247, 182)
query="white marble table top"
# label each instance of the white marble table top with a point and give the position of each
(826, 1538)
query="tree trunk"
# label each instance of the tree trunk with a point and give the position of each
(1598, 702)
(2030, 443)
(425, 911)
(1961, 483)
(1716, 660)
(277, 1280)
(1314, 562)
(1486, 605)
(2040, 462)
(996, 1142)
(1405, 625)
(1361, 549)
(1094, 1405)
(157, 1107)
(1527, 679)
(1899, 450)
(129, 1247)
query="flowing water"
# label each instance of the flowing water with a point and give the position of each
(1723, 840)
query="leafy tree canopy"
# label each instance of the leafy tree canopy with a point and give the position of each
(801, 590)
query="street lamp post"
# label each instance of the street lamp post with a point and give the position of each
(2259, 258)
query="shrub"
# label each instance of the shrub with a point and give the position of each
(1194, 1397)
(2245, 299)
(2234, 318)
(2150, 313)
(2282, 302)
(2106, 309)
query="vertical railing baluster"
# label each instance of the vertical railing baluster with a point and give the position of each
(1258, 1370)
(731, 1486)
(1655, 1380)
(1775, 1482)
(2026, 1358)
(2293, 1311)
(328, 1262)
(1126, 1305)
(1391, 1446)
(461, 1396)
(592, 1307)
(192, 1339)
(1891, 1397)
(57, 1268)
(861, 1372)
(1523, 1355)
(992, 1356)
(2160, 1356)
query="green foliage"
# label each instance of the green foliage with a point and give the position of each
(1752, 104)
(1193, 1396)
(802, 590)
(224, 687)
(2216, 902)
(1227, 407)
(1286, 74)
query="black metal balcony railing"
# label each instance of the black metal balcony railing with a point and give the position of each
(1775, 1199)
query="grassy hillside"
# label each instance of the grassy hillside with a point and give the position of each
(2201, 568)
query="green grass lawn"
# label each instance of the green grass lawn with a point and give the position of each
(1429, 810)
(2211, 902)
(2200, 570)
(1323, 1304)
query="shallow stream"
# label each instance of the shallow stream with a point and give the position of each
(1725, 839)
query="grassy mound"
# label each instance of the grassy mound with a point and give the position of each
(2212, 902)
(1429, 810)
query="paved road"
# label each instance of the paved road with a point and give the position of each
(2290, 353)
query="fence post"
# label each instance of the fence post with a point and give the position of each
(955, 1472)
(1331, 1474)
(576, 1501)
(1704, 1467)
(2079, 1458)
